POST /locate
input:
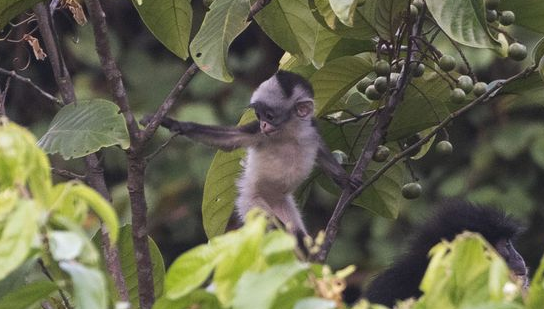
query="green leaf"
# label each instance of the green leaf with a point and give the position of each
(528, 13)
(83, 128)
(65, 245)
(523, 92)
(425, 105)
(385, 16)
(383, 197)
(90, 290)
(11, 8)
(18, 235)
(344, 10)
(169, 21)
(220, 191)
(538, 57)
(100, 206)
(28, 295)
(259, 290)
(21, 161)
(325, 16)
(128, 265)
(200, 299)
(222, 24)
(315, 303)
(242, 254)
(463, 21)
(535, 297)
(189, 271)
(295, 33)
(334, 79)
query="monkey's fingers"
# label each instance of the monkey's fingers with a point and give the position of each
(355, 183)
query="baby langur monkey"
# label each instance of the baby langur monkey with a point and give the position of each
(283, 145)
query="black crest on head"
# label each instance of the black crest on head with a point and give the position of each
(288, 81)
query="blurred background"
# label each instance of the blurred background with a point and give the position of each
(498, 153)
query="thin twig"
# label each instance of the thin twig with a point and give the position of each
(67, 174)
(161, 148)
(46, 272)
(28, 81)
(3, 96)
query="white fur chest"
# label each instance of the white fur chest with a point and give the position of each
(281, 168)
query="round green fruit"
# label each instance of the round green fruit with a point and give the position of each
(446, 63)
(491, 16)
(363, 84)
(444, 148)
(479, 88)
(340, 156)
(381, 84)
(517, 51)
(492, 4)
(458, 96)
(381, 154)
(465, 82)
(507, 18)
(417, 69)
(372, 94)
(382, 68)
(411, 190)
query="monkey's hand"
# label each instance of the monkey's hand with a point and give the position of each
(354, 184)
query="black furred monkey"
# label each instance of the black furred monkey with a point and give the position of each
(402, 279)
(283, 145)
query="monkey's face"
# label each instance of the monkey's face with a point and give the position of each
(512, 257)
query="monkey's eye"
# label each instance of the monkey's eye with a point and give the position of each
(269, 116)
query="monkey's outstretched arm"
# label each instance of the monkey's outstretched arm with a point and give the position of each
(224, 138)
(333, 169)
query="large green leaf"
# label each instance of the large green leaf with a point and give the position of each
(259, 290)
(383, 197)
(89, 285)
(344, 10)
(18, 235)
(324, 15)
(220, 191)
(189, 271)
(11, 8)
(128, 265)
(27, 295)
(334, 79)
(83, 128)
(538, 57)
(425, 104)
(528, 13)
(170, 22)
(522, 92)
(296, 33)
(222, 24)
(464, 21)
(385, 16)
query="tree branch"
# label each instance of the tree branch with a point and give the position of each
(377, 136)
(95, 174)
(28, 81)
(46, 272)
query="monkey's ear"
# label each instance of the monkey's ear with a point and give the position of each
(304, 108)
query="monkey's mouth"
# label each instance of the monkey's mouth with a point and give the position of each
(271, 132)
